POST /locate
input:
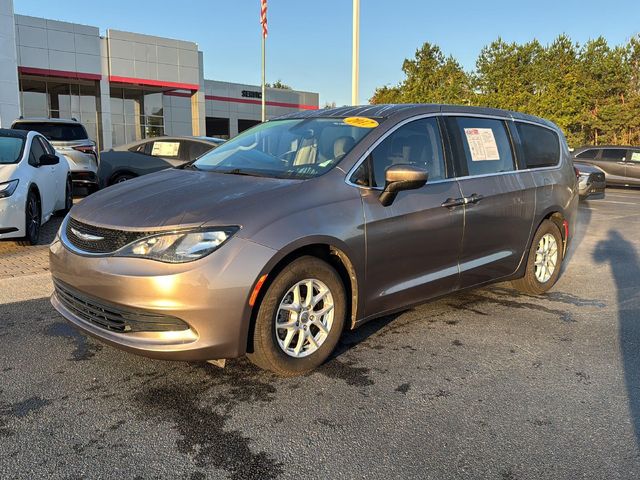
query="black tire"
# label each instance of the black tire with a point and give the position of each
(68, 198)
(32, 216)
(267, 352)
(530, 283)
(123, 177)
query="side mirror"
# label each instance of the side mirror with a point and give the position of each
(401, 177)
(48, 159)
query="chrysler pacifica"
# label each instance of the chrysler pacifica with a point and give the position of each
(275, 242)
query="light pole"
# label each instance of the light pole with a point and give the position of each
(355, 67)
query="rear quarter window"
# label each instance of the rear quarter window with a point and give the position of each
(540, 145)
(588, 154)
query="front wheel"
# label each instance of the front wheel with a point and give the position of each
(300, 318)
(68, 198)
(32, 220)
(544, 260)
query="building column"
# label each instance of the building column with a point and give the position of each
(104, 116)
(198, 110)
(9, 89)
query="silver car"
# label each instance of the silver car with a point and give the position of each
(70, 138)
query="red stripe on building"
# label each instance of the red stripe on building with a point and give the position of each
(259, 102)
(45, 72)
(154, 83)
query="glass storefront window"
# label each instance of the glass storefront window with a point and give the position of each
(135, 114)
(60, 99)
(33, 95)
(153, 104)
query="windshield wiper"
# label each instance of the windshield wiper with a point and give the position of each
(239, 171)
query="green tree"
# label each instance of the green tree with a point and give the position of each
(591, 91)
(430, 77)
(279, 84)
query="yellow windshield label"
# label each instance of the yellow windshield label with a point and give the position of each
(362, 122)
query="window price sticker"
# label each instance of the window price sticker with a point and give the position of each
(482, 144)
(165, 149)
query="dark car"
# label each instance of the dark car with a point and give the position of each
(273, 243)
(621, 165)
(150, 155)
(591, 181)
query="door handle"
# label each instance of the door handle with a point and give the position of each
(475, 198)
(621, 163)
(453, 202)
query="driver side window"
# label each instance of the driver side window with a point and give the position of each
(417, 143)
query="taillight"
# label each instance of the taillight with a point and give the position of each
(90, 149)
(575, 169)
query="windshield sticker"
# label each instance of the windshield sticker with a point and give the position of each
(482, 144)
(165, 149)
(362, 122)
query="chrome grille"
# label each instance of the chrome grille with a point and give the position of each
(114, 318)
(105, 240)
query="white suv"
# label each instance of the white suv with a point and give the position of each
(69, 137)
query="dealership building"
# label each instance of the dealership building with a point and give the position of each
(123, 86)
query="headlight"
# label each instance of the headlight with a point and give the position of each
(7, 188)
(178, 247)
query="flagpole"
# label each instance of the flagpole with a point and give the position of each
(355, 67)
(264, 89)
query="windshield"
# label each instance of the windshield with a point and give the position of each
(10, 149)
(297, 148)
(55, 131)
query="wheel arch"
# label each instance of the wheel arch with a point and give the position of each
(557, 216)
(330, 250)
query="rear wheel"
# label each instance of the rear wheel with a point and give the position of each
(544, 260)
(32, 220)
(300, 318)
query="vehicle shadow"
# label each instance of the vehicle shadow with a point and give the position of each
(352, 338)
(625, 267)
(583, 219)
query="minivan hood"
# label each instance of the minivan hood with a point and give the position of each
(176, 198)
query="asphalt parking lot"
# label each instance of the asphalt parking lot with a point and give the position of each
(483, 384)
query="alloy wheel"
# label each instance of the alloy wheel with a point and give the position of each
(304, 318)
(546, 258)
(33, 219)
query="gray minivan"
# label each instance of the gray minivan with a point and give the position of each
(273, 243)
(620, 164)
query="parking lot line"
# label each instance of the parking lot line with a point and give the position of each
(620, 203)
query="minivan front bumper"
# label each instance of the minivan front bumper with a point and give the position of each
(208, 300)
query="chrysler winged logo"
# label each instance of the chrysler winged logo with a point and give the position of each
(86, 236)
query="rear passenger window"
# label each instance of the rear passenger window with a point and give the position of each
(416, 143)
(483, 145)
(614, 153)
(540, 146)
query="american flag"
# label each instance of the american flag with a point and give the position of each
(263, 17)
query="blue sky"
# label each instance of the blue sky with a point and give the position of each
(309, 43)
